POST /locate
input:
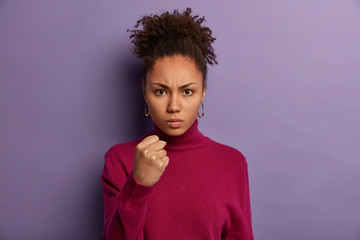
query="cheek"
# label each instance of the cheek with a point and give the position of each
(156, 104)
(193, 105)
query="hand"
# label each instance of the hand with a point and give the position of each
(150, 160)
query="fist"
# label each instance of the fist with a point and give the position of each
(150, 160)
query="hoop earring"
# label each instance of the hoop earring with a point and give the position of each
(147, 113)
(203, 112)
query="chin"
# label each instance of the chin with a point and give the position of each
(174, 131)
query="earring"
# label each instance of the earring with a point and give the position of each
(146, 113)
(203, 112)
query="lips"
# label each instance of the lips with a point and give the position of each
(174, 123)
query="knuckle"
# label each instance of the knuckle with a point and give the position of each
(138, 147)
(154, 137)
(145, 152)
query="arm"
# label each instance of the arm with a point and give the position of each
(240, 226)
(125, 203)
(126, 194)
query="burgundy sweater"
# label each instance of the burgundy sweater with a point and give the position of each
(203, 193)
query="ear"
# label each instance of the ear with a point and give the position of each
(203, 93)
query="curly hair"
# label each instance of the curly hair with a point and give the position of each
(173, 34)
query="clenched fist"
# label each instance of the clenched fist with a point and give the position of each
(150, 160)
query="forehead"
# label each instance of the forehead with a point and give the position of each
(174, 70)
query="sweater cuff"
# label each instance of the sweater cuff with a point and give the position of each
(133, 195)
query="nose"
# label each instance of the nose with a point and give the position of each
(174, 104)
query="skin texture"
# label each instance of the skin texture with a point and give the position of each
(173, 89)
(166, 96)
(150, 160)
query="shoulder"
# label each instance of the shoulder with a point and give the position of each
(122, 148)
(227, 153)
(122, 153)
(226, 149)
(118, 163)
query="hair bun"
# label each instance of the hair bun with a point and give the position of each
(167, 29)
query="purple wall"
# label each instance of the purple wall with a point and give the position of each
(286, 94)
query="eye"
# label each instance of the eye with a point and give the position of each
(160, 92)
(188, 92)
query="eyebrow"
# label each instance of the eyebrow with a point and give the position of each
(166, 87)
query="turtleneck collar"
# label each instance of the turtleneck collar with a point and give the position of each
(192, 138)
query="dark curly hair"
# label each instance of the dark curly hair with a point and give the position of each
(173, 34)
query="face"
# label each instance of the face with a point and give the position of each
(174, 90)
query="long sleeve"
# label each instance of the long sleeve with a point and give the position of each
(202, 194)
(240, 226)
(125, 202)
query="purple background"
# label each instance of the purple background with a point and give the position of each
(285, 93)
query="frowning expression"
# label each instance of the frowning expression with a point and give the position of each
(174, 90)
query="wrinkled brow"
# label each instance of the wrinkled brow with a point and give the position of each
(167, 87)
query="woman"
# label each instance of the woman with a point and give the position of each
(175, 183)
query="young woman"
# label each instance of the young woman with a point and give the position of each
(175, 183)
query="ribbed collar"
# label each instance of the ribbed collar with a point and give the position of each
(191, 139)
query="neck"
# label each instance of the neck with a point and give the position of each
(190, 139)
